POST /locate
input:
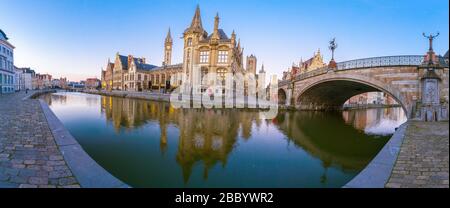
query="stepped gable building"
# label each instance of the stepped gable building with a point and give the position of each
(107, 76)
(311, 64)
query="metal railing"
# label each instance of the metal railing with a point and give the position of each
(413, 60)
(409, 60)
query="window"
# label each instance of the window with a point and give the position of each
(204, 72)
(189, 42)
(221, 74)
(2, 62)
(139, 77)
(204, 56)
(145, 77)
(223, 57)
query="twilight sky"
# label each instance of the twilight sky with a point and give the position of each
(75, 38)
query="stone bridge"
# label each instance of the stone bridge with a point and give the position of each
(399, 76)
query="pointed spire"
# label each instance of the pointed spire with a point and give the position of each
(197, 19)
(239, 44)
(215, 34)
(168, 37)
(216, 22)
(262, 69)
(233, 38)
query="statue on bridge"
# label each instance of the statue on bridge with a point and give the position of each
(430, 58)
(332, 47)
(430, 38)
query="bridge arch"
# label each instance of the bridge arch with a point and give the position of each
(330, 91)
(282, 97)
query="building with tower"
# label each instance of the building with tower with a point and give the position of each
(207, 58)
(251, 64)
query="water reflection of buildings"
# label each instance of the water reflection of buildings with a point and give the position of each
(204, 135)
(326, 137)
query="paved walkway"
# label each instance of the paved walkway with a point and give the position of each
(29, 156)
(424, 157)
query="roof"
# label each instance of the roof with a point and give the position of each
(174, 66)
(110, 66)
(222, 35)
(124, 61)
(3, 35)
(145, 67)
(446, 55)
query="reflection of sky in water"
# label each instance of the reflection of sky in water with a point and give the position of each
(150, 144)
(384, 127)
(376, 121)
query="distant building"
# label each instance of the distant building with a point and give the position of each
(108, 77)
(311, 64)
(77, 85)
(27, 78)
(63, 83)
(92, 83)
(42, 81)
(7, 72)
(378, 98)
(18, 79)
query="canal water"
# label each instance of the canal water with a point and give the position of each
(151, 144)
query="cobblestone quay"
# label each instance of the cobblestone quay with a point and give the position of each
(424, 157)
(29, 156)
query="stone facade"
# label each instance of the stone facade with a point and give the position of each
(203, 54)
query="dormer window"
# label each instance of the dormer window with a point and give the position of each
(189, 42)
